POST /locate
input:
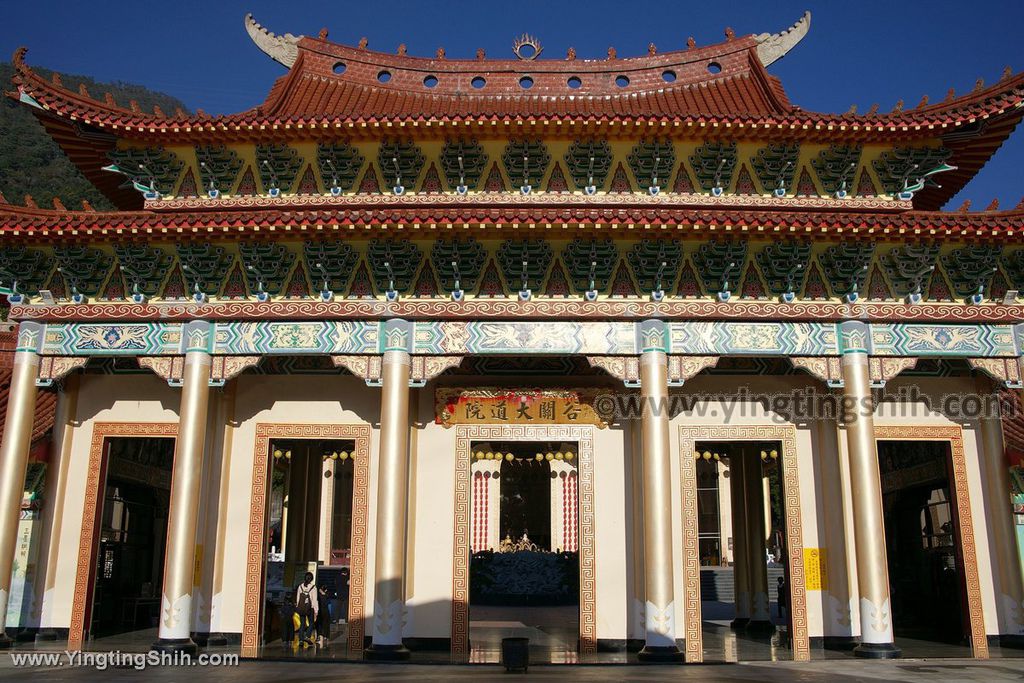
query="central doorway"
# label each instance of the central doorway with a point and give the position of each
(524, 571)
(923, 546)
(131, 535)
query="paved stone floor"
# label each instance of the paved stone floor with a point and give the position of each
(764, 672)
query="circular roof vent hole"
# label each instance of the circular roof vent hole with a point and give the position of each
(669, 76)
(622, 81)
(430, 81)
(526, 82)
(715, 68)
(478, 82)
(574, 82)
(339, 68)
(384, 76)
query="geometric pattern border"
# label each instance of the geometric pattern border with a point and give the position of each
(584, 436)
(87, 544)
(689, 435)
(256, 547)
(496, 337)
(962, 497)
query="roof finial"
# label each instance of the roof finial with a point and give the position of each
(439, 54)
(58, 204)
(402, 49)
(612, 54)
(873, 110)
(771, 47)
(109, 99)
(56, 80)
(3, 199)
(1007, 72)
(898, 107)
(86, 206)
(30, 202)
(481, 54)
(363, 42)
(652, 49)
(283, 49)
(951, 94)
(965, 207)
(993, 205)
(158, 111)
(979, 84)
(729, 33)
(1020, 204)
(179, 113)
(690, 43)
(852, 110)
(527, 41)
(923, 102)
(83, 91)
(570, 54)
(323, 34)
(134, 105)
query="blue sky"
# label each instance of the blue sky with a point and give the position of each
(861, 51)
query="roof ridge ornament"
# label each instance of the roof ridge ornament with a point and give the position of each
(526, 40)
(283, 49)
(771, 47)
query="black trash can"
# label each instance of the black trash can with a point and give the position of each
(515, 653)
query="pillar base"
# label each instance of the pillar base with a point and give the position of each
(386, 653)
(660, 654)
(760, 627)
(739, 623)
(6, 642)
(174, 646)
(877, 651)
(46, 635)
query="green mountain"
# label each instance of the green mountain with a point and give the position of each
(31, 163)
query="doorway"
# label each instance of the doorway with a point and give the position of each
(524, 574)
(309, 528)
(131, 535)
(923, 545)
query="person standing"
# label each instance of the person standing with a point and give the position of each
(323, 619)
(307, 607)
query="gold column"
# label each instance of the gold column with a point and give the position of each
(186, 475)
(21, 405)
(392, 492)
(740, 562)
(67, 412)
(659, 576)
(1010, 593)
(760, 617)
(865, 482)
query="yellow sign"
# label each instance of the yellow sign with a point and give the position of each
(816, 569)
(515, 406)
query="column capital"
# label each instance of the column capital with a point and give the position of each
(652, 335)
(854, 337)
(197, 336)
(396, 335)
(30, 337)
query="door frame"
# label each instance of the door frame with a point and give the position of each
(583, 435)
(689, 435)
(88, 543)
(359, 433)
(957, 464)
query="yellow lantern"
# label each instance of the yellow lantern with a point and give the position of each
(774, 454)
(287, 455)
(696, 455)
(707, 455)
(489, 455)
(509, 457)
(343, 455)
(549, 456)
(764, 455)
(277, 453)
(569, 455)
(717, 456)
(559, 456)
(539, 457)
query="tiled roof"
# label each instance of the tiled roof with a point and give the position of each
(381, 213)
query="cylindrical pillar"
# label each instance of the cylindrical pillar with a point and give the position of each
(21, 405)
(1010, 592)
(186, 476)
(659, 609)
(760, 615)
(865, 482)
(67, 409)
(392, 492)
(740, 563)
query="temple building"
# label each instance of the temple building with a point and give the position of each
(631, 356)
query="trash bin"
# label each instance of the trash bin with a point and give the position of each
(515, 653)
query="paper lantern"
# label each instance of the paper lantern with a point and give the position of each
(278, 453)
(539, 457)
(509, 457)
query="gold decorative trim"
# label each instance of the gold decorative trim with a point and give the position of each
(962, 499)
(688, 437)
(101, 431)
(255, 554)
(225, 368)
(584, 436)
(683, 368)
(428, 367)
(825, 368)
(170, 368)
(883, 369)
(625, 368)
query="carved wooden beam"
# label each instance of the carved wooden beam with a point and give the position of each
(682, 368)
(1005, 370)
(55, 368)
(884, 369)
(826, 368)
(367, 367)
(171, 368)
(228, 367)
(624, 368)
(426, 368)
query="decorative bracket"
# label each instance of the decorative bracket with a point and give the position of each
(55, 368)
(883, 369)
(422, 368)
(826, 368)
(624, 368)
(683, 368)
(170, 368)
(366, 367)
(1005, 370)
(223, 368)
